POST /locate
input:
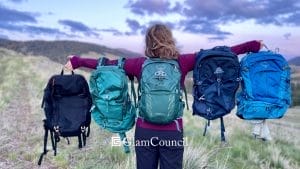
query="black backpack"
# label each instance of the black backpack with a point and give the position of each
(216, 80)
(66, 103)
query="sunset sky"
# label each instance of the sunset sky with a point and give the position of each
(122, 23)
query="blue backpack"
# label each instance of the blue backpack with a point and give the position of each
(112, 108)
(216, 79)
(266, 90)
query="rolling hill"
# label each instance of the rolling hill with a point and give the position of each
(295, 61)
(58, 50)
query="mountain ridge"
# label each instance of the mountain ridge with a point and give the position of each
(58, 50)
(294, 61)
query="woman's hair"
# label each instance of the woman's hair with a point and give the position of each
(160, 43)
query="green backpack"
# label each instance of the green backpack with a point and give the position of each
(160, 97)
(112, 108)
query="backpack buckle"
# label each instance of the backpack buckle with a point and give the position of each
(201, 98)
(56, 129)
(208, 110)
(56, 133)
(82, 129)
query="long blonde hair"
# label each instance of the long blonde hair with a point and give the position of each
(160, 43)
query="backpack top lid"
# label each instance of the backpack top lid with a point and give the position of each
(71, 84)
(268, 73)
(217, 57)
(262, 56)
(216, 51)
(103, 62)
(158, 64)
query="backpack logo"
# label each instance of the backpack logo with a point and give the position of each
(264, 64)
(160, 75)
(218, 71)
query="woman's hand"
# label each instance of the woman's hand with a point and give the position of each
(68, 65)
(261, 44)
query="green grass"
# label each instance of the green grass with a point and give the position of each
(8, 78)
(21, 88)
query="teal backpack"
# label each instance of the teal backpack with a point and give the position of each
(112, 108)
(160, 97)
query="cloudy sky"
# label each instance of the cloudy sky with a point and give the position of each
(122, 23)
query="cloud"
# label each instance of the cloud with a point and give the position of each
(79, 27)
(137, 28)
(206, 16)
(262, 11)
(17, 1)
(287, 36)
(168, 24)
(146, 7)
(294, 18)
(189, 24)
(13, 16)
(205, 27)
(34, 30)
(218, 37)
(133, 24)
(37, 30)
(3, 36)
(22, 22)
(113, 31)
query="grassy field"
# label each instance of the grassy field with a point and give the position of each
(22, 79)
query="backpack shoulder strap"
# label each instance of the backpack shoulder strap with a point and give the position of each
(125, 142)
(102, 61)
(186, 98)
(121, 62)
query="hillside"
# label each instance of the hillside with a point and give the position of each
(22, 79)
(58, 50)
(295, 61)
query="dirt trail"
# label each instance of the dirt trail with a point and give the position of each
(19, 130)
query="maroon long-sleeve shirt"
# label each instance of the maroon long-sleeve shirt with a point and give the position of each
(133, 67)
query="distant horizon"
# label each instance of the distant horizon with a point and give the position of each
(142, 54)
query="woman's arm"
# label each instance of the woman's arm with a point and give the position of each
(251, 46)
(132, 66)
(75, 62)
(187, 61)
